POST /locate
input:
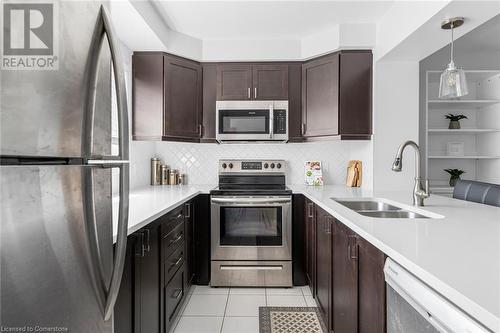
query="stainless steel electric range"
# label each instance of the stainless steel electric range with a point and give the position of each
(251, 225)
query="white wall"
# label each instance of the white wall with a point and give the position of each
(140, 151)
(395, 121)
(250, 50)
(401, 20)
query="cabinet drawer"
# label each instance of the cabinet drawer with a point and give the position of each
(171, 220)
(171, 242)
(173, 262)
(174, 292)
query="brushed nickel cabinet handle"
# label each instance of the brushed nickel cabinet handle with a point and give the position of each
(249, 96)
(255, 93)
(176, 294)
(310, 209)
(175, 263)
(172, 241)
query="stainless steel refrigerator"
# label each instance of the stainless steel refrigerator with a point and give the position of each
(64, 159)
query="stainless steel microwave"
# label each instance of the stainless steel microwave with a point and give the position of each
(265, 121)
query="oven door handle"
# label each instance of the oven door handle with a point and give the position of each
(250, 200)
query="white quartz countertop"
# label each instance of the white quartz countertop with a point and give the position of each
(149, 203)
(457, 254)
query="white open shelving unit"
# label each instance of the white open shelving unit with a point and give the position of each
(480, 133)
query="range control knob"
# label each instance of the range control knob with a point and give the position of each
(230, 165)
(272, 165)
(278, 165)
(266, 165)
(224, 165)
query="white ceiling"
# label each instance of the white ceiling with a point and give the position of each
(482, 39)
(261, 20)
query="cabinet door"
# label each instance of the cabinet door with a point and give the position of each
(324, 265)
(371, 288)
(182, 98)
(202, 239)
(189, 244)
(147, 281)
(355, 93)
(310, 246)
(320, 96)
(123, 316)
(295, 102)
(209, 100)
(270, 82)
(345, 280)
(147, 96)
(234, 82)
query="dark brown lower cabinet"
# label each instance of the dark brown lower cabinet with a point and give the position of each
(345, 273)
(358, 283)
(310, 244)
(189, 211)
(345, 280)
(159, 270)
(371, 288)
(137, 307)
(324, 257)
(202, 239)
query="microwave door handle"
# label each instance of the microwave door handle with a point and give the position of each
(271, 122)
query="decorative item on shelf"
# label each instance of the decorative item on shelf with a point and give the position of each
(354, 173)
(455, 149)
(454, 175)
(155, 171)
(313, 173)
(454, 120)
(452, 83)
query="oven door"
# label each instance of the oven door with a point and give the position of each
(244, 121)
(251, 228)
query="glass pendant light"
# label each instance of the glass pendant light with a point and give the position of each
(452, 83)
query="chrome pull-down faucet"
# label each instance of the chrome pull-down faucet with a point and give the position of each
(419, 193)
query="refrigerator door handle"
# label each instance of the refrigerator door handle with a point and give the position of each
(103, 27)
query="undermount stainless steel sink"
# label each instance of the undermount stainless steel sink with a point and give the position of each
(367, 205)
(379, 209)
(395, 214)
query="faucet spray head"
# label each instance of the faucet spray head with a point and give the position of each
(397, 165)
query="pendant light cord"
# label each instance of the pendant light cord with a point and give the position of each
(451, 60)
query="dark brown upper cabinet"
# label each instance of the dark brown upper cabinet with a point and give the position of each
(167, 97)
(234, 81)
(252, 81)
(337, 95)
(270, 82)
(320, 96)
(294, 102)
(209, 99)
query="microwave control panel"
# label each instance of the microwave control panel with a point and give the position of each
(279, 122)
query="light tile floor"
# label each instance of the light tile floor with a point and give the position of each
(234, 310)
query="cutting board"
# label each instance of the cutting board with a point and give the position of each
(354, 173)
